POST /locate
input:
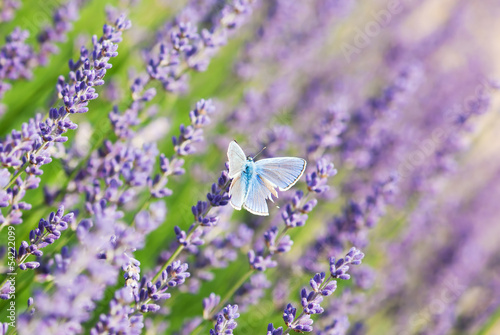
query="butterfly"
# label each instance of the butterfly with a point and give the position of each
(254, 182)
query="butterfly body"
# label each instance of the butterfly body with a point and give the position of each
(247, 174)
(254, 182)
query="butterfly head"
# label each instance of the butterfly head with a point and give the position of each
(250, 159)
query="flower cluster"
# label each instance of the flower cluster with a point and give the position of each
(185, 47)
(217, 197)
(47, 232)
(225, 321)
(311, 301)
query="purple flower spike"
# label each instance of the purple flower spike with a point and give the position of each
(47, 232)
(259, 262)
(321, 287)
(209, 304)
(182, 47)
(289, 314)
(226, 321)
(317, 180)
(338, 269)
(317, 281)
(5, 291)
(176, 274)
(272, 331)
(16, 58)
(4, 327)
(274, 246)
(29, 265)
(311, 302)
(189, 135)
(303, 324)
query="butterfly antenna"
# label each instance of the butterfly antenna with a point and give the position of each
(259, 152)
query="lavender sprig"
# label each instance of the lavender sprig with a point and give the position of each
(187, 49)
(225, 323)
(183, 146)
(143, 295)
(311, 301)
(47, 232)
(130, 302)
(217, 197)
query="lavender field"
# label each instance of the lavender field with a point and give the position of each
(117, 200)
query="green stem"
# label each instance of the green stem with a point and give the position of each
(494, 320)
(231, 292)
(13, 179)
(3, 225)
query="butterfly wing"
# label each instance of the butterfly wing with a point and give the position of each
(236, 158)
(258, 191)
(283, 172)
(237, 192)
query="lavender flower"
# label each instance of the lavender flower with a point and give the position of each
(137, 292)
(321, 287)
(316, 181)
(192, 134)
(186, 48)
(217, 197)
(5, 290)
(183, 146)
(48, 232)
(225, 321)
(174, 275)
(209, 305)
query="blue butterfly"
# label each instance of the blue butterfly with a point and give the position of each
(254, 182)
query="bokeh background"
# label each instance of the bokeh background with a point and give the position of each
(400, 95)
